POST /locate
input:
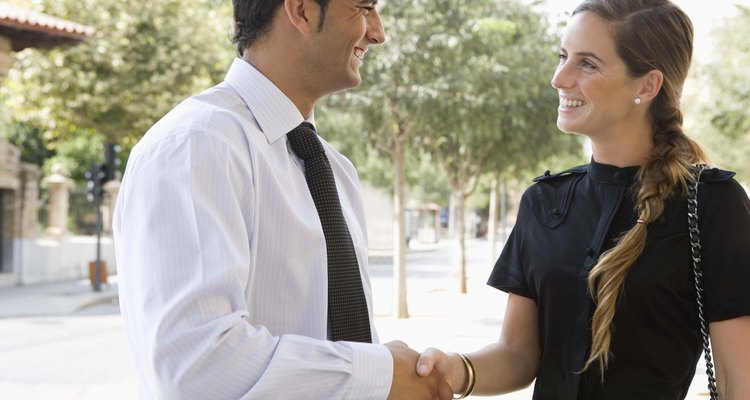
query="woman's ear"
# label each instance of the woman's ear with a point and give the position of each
(651, 84)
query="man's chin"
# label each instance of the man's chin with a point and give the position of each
(353, 81)
(356, 81)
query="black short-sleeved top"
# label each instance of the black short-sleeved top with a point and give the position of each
(566, 221)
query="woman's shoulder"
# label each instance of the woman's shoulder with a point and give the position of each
(722, 195)
(720, 183)
(549, 176)
(553, 185)
(550, 183)
(550, 195)
(716, 175)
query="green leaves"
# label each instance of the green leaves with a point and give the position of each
(142, 60)
(466, 81)
(718, 107)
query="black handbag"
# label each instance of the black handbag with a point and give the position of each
(695, 247)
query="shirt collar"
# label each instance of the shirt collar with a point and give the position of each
(275, 113)
(609, 174)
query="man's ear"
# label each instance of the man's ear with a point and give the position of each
(300, 14)
(651, 84)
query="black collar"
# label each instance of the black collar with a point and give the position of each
(609, 174)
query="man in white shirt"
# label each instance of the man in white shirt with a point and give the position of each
(222, 264)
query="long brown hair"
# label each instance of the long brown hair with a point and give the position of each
(649, 35)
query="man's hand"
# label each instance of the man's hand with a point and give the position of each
(407, 384)
(450, 366)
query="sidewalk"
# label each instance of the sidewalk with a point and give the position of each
(55, 298)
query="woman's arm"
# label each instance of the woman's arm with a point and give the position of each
(502, 367)
(730, 340)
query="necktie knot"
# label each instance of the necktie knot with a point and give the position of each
(305, 142)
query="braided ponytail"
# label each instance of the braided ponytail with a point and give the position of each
(650, 34)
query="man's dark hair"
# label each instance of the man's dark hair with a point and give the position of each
(252, 18)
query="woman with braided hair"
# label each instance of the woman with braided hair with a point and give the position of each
(602, 302)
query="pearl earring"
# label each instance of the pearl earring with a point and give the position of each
(637, 100)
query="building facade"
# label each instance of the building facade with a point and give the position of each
(25, 255)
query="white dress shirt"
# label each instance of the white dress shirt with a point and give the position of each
(221, 257)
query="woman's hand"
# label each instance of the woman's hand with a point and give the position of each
(449, 365)
(407, 384)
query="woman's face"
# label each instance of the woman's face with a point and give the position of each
(597, 96)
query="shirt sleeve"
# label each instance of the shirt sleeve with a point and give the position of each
(182, 239)
(508, 274)
(724, 221)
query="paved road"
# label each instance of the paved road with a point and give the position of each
(82, 356)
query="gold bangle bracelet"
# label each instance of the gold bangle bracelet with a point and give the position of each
(471, 377)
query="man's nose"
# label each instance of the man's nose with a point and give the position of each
(375, 32)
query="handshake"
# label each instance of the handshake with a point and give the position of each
(432, 375)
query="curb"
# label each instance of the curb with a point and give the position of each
(109, 298)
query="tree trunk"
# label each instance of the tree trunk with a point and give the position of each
(400, 308)
(504, 211)
(492, 223)
(460, 247)
(452, 216)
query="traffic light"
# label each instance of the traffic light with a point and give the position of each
(111, 161)
(101, 173)
(95, 182)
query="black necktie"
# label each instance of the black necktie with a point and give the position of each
(347, 307)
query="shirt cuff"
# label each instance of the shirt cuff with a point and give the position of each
(372, 372)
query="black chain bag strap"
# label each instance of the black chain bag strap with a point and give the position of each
(695, 247)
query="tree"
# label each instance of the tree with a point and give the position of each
(387, 102)
(718, 114)
(499, 80)
(142, 60)
(29, 139)
(451, 70)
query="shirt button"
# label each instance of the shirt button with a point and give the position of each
(590, 252)
(618, 175)
(556, 213)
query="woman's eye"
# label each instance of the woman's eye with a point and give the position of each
(588, 64)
